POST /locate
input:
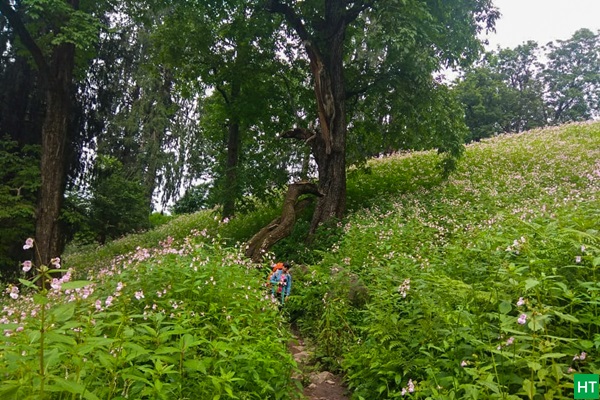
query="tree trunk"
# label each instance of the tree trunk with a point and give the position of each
(54, 134)
(56, 73)
(329, 146)
(328, 143)
(234, 139)
(281, 227)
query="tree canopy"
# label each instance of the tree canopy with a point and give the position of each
(232, 100)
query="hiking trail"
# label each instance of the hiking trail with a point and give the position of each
(318, 385)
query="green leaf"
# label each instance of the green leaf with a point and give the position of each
(566, 317)
(27, 283)
(53, 337)
(529, 388)
(553, 355)
(74, 387)
(195, 365)
(534, 365)
(537, 323)
(40, 299)
(74, 285)
(64, 312)
(505, 307)
(531, 283)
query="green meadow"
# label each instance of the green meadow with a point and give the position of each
(482, 285)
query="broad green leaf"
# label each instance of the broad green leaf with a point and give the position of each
(529, 388)
(534, 365)
(40, 299)
(531, 283)
(53, 337)
(63, 312)
(505, 307)
(74, 285)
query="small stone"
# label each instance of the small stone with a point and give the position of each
(329, 381)
(301, 357)
(312, 386)
(321, 377)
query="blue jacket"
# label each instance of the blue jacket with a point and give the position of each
(276, 278)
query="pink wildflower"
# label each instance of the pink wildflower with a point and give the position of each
(522, 319)
(26, 266)
(55, 262)
(28, 244)
(410, 386)
(56, 284)
(404, 288)
(14, 292)
(108, 301)
(139, 295)
(520, 302)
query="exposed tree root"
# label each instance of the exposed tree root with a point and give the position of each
(281, 227)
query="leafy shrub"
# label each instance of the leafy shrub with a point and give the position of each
(481, 286)
(188, 322)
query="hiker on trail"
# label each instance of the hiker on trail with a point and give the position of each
(281, 281)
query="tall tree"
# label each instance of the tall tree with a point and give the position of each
(572, 77)
(51, 31)
(229, 54)
(415, 38)
(503, 92)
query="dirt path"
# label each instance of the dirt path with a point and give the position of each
(321, 385)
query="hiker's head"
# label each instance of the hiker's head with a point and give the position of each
(286, 266)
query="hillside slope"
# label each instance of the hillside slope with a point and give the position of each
(480, 286)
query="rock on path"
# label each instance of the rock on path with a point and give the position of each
(323, 385)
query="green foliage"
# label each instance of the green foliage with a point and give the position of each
(172, 322)
(514, 90)
(19, 182)
(483, 285)
(442, 266)
(572, 77)
(118, 203)
(158, 219)
(194, 199)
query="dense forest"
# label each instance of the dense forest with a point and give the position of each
(156, 157)
(110, 111)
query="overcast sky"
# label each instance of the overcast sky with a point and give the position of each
(542, 20)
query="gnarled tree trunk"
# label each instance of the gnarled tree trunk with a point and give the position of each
(281, 227)
(324, 47)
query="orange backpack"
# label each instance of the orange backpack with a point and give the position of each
(276, 268)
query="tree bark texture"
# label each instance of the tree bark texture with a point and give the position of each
(325, 49)
(56, 73)
(234, 139)
(53, 164)
(281, 227)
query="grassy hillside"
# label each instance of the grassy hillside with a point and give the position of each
(480, 286)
